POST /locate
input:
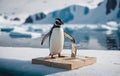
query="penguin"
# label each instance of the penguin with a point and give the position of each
(56, 38)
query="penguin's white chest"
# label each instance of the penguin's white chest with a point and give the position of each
(56, 41)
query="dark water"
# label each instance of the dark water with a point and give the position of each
(99, 38)
(5, 72)
(17, 73)
(13, 67)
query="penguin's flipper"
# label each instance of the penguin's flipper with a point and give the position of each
(48, 34)
(74, 48)
(69, 37)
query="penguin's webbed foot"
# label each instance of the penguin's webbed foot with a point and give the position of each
(59, 55)
(52, 57)
(50, 54)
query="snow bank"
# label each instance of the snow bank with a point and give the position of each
(17, 61)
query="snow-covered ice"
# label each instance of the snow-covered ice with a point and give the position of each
(17, 61)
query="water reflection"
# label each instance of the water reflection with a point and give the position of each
(87, 38)
(99, 37)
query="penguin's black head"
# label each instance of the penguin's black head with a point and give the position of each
(58, 21)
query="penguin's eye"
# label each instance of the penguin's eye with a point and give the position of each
(58, 23)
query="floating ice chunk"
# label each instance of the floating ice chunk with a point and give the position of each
(7, 29)
(19, 35)
(24, 35)
(31, 29)
(20, 32)
(112, 23)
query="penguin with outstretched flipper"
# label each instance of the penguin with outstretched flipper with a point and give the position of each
(56, 39)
